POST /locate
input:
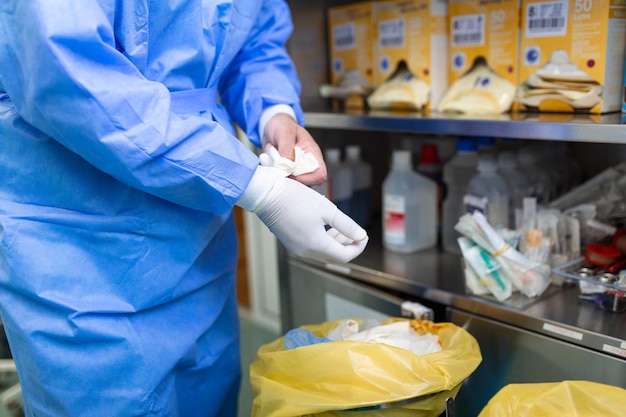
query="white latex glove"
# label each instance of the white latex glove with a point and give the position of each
(297, 215)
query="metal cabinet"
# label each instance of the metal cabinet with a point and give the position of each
(315, 295)
(514, 355)
(515, 346)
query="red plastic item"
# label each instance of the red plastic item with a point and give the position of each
(601, 254)
(619, 241)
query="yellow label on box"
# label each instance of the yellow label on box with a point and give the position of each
(351, 35)
(488, 29)
(414, 31)
(577, 44)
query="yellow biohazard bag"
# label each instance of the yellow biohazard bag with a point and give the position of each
(566, 398)
(323, 379)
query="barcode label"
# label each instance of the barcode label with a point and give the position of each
(391, 33)
(343, 36)
(546, 19)
(468, 30)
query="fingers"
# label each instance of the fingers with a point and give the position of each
(337, 219)
(333, 250)
(345, 240)
(334, 234)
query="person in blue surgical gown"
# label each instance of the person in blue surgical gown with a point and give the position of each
(119, 169)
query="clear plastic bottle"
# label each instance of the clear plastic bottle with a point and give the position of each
(557, 172)
(563, 171)
(339, 180)
(538, 179)
(489, 193)
(569, 165)
(430, 166)
(361, 185)
(409, 207)
(518, 185)
(457, 173)
(573, 167)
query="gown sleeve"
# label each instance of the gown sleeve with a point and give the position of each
(262, 74)
(60, 66)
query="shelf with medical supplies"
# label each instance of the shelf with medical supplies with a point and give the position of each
(594, 128)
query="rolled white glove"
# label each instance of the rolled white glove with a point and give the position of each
(297, 215)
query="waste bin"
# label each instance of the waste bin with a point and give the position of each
(375, 379)
(565, 398)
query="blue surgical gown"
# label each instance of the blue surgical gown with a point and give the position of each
(119, 169)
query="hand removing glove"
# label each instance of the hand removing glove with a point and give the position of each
(297, 215)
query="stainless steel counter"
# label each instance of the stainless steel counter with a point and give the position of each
(437, 277)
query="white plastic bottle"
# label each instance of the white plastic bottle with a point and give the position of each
(339, 180)
(538, 179)
(361, 185)
(488, 192)
(518, 185)
(409, 207)
(457, 173)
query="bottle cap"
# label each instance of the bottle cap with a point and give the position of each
(466, 145)
(507, 160)
(332, 155)
(487, 163)
(401, 158)
(428, 155)
(485, 142)
(353, 152)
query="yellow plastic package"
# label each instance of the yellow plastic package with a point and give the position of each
(322, 379)
(566, 398)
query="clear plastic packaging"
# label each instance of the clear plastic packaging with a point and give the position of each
(409, 207)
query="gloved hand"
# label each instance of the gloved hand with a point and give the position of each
(297, 215)
(285, 134)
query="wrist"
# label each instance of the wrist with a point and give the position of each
(272, 111)
(262, 187)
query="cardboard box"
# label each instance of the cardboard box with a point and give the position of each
(572, 55)
(488, 29)
(416, 32)
(351, 36)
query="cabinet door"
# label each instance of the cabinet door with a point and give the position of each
(316, 296)
(512, 355)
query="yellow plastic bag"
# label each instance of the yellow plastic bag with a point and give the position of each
(323, 378)
(567, 398)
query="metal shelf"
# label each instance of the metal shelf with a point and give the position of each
(608, 128)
